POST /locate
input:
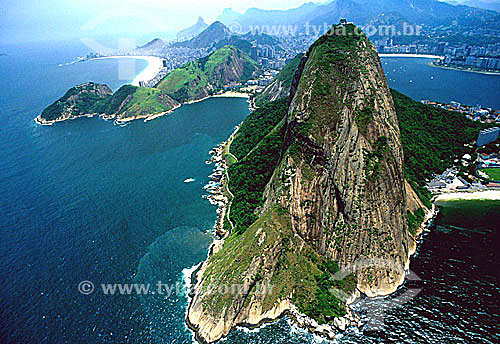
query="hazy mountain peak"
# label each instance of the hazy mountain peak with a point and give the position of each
(228, 16)
(192, 31)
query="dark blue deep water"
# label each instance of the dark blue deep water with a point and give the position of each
(417, 79)
(87, 200)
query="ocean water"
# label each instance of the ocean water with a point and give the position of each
(85, 200)
(452, 296)
(88, 200)
(417, 79)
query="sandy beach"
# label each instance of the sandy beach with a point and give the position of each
(413, 56)
(232, 94)
(432, 64)
(492, 195)
(155, 64)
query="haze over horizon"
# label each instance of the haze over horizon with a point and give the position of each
(32, 20)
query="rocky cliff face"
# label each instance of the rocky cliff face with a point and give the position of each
(236, 67)
(280, 86)
(346, 192)
(337, 199)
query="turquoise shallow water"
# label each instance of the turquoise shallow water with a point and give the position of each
(87, 200)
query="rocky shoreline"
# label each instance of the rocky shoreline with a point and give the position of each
(148, 117)
(285, 308)
(42, 121)
(216, 187)
(118, 121)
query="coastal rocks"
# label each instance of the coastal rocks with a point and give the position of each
(329, 331)
(216, 187)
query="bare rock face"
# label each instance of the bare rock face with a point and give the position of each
(346, 193)
(338, 195)
(232, 69)
(280, 86)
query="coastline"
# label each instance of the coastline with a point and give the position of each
(149, 117)
(432, 64)
(155, 64)
(228, 94)
(286, 308)
(423, 56)
(485, 195)
(41, 121)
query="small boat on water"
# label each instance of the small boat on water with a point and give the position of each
(189, 180)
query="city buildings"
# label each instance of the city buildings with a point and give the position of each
(487, 136)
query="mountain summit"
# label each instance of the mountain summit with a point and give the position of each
(212, 34)
(192, 31)
(319, 211)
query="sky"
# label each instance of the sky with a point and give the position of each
(38, 20)
(52, 20)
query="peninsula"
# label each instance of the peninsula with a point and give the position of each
(326, 184)
(325, 181)
(318, 190)
(193, 81)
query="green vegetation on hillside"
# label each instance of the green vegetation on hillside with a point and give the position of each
(79, 100)
(285, 77)
(242, 44)
(288, 72)
(91, 98)
(257, 145)
(182, 83)
(249, 176)
(146, 101)
(112, 104)
(432, 139)
(415, 220)
(207, 75)
(257, 125)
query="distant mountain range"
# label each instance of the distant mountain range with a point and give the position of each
(486, 5)
(218, 35)
(215, 32)
(363, 12)
(155, 44)
(238, 29)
